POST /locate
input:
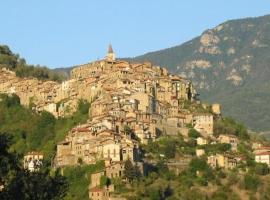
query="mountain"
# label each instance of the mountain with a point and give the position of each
(229, 64)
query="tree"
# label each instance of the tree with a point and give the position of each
(38, 185)
(251, 182)
(24, 185)
(261, 168)
(9, 101)
(230, 126)
(104, 181)
(192, 133)
(8, 160)
(83, 106)
(131, 172)
(169, 150)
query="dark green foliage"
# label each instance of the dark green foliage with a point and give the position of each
(80, 161)
(15, 63)
(162, 168)
(21, 184)
(11, 100)
(170, 150)
(131, 172)
(38, 186)
(169, 147)
(216, 148)
(83, 106)
(198, 164)
(159, 193)
(8, 160)
(128, 130)
(131, 133)
(230, 126)
(32, 131)
(261, 169)
(192, 133)
(104, 181)
(248, 101)
(251, 182)
(220, 195)
(78, 178)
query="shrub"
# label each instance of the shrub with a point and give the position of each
(192, 133)
(261, 168)
(251, 182)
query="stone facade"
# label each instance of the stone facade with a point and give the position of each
(204, 123)
(229, 139)
(225, 161)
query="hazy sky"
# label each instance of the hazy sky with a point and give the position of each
(60, 33)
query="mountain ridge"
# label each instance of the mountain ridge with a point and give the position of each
(228, 64)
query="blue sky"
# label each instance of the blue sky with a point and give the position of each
(62, 33)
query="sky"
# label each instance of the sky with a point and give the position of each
(64, 33)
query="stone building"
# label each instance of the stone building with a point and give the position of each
(204, 123)
(225, 161)
(229, 139)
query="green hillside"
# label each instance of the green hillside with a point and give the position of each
(229, 64)
(13, 62)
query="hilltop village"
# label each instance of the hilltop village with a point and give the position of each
(132, 104)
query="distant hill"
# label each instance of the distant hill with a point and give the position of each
(13, 62)
(229, 64)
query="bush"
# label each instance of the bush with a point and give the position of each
(251, 182)
(104, 181)
(230, 126)
(83, 106)
(131, 172)
(192, 133)
(197, 164)
(170, 150)
(261, 169)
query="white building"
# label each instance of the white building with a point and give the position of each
(263, 157)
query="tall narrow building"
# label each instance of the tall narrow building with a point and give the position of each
(110, 55)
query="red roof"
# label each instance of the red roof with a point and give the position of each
(34, 153)
(96, 189)
(263, 154)
(82, 130)
(265, 147)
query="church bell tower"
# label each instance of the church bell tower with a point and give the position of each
(110, 55)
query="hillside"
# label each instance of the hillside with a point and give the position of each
(13, 62)
(122, 130)
(228, 64)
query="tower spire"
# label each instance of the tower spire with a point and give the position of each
(110, 55)
(110, 49)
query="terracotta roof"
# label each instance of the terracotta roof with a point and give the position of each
(34, 153)
(96, 189)
(265, 147)
(263, 153)
(82, 130)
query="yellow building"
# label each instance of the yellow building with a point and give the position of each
(229, 139)
(225, 161)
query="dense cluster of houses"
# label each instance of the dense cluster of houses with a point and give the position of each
(136, 102)
(131, 104)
